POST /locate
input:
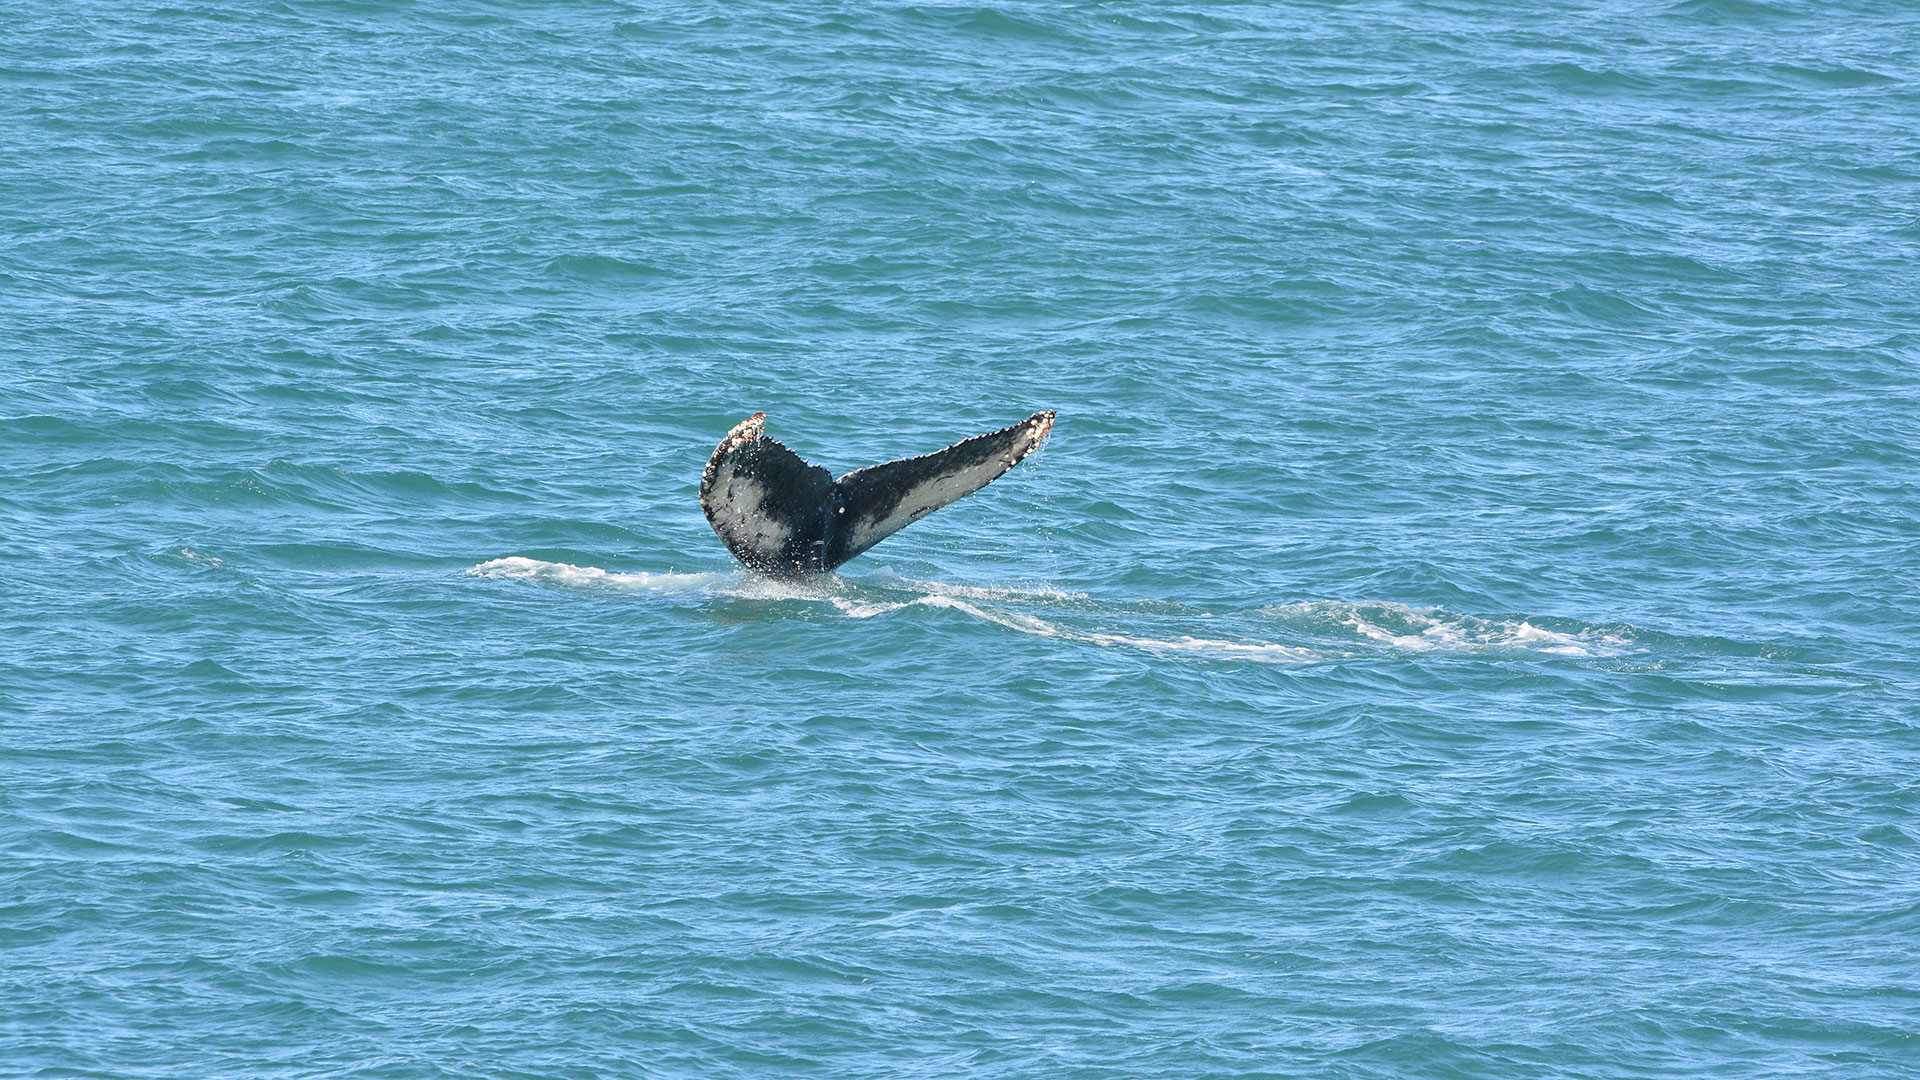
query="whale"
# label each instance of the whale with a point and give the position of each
(784, 516)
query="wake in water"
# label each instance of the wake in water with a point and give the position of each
(1302, 633)
(1410, 629)
(591, 577)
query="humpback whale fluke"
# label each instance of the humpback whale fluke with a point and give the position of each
(781, 515)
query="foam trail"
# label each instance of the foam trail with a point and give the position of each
(856, 601)
(518, 568)
(1040, 593)
(1330, 624)
(1208, 648)
(1410, 629)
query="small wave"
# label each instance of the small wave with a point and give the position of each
(519, 568)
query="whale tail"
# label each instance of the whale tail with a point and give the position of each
(781, 515)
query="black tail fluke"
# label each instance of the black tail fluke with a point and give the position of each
(780, 515)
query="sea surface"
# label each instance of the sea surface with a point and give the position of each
(1464, 623)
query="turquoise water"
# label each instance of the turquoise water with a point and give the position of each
(1462, 625)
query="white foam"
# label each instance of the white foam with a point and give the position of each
(811, 590)
(587, 577)
(989, 593)
(1411, 629)
(193, 556)
(1390, 626)
(1208, 648)
(982, 602)
(978, 602)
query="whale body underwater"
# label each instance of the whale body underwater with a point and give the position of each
(779, 514)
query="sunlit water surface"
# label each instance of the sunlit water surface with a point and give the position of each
(1463, 624)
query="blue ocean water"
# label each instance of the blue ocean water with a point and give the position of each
(1462, 625)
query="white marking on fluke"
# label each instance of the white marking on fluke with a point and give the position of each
(779, 514)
